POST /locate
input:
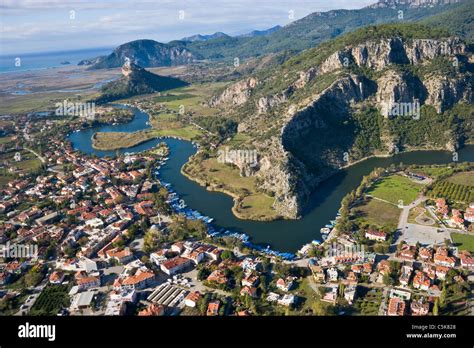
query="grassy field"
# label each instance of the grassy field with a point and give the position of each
(193, 99)
(396, 188)
(117, 140)
(376, 212)
(463, 241)
(187, 133)
(238, 140)
(29, 162)
(416, 212)
(39, 102)
(109, 141)
(5, 140)
(434, 172)
(256, 207)
(223, 177)
(465, 178)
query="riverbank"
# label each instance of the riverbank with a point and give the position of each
(239, 200)
(284, 235)
(110, 141)
(388, 155)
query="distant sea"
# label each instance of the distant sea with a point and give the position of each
(45, 60)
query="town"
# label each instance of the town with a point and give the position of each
(112, 239)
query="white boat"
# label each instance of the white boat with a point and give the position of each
(325, 230)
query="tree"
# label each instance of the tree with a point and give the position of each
(203, 302)
(442, 298)
(34, 275)
(387, 279)
(342, 287)
(227, 255)
(203, 273)
(436, 307)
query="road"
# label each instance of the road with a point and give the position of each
(36, 154)
(403, 220)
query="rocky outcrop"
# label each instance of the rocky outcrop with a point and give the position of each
(398, 87)
(412, 3)
(444, 92)
(236, 94)
(305, 133)
(285, 177)
(264, 104)
(377, 55)
(136, 81)
(147, 53)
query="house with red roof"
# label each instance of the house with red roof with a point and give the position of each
(396, 307)
(213, 308)
(376, 235)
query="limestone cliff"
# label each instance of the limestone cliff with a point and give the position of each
(312, 121)
(236, 94)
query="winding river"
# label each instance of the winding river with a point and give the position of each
(283, 235)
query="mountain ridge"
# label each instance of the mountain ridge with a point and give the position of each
(299, 35)
(323, 108)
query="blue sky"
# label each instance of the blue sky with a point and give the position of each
(54, 25)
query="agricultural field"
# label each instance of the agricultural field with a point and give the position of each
(463, 241)
(395, 189)
(193, 98)
(434, 171)
(452, 191)
(51, 300)
(375, 212)
(367, 301)
(465, 178)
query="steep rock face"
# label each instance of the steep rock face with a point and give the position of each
(315, 129)
(376, 55)
(379, 54)
(444, 92)
(266, 103)
(412, 3)
(236, 94)
(397, 87)
(283, 175)
(146, 53)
